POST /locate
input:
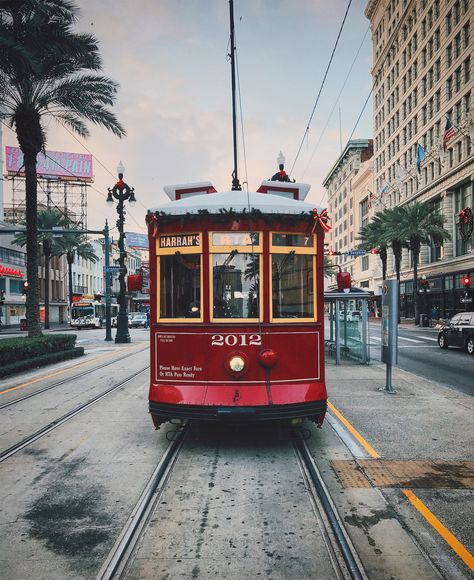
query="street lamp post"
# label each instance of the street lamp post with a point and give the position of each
(121, 192)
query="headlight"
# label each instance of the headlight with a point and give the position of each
(237, 364)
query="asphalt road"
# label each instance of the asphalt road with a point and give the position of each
(419, 353)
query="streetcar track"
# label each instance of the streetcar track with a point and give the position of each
(340, 543)
(64, 418)
(121, 554)
(68, 379)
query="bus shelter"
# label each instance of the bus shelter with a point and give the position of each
(347, 325)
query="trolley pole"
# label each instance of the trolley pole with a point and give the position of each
(108, 284)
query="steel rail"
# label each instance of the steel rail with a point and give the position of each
(64, 418)
(68, 379)
(346, 549)
(120, 554)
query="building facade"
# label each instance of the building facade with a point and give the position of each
(422, 77)
(12, 279)
(345, 220)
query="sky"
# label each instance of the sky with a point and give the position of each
(170, 60)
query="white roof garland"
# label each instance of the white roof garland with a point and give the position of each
(237, 201)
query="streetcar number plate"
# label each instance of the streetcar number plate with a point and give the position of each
(236, 340)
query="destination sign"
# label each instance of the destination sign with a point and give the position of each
(179, 241)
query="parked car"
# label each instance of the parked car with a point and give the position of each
(459, 331)
(138, 321)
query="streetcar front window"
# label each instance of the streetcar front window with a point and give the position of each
(292, 285)
(180, 286)
(236, 285)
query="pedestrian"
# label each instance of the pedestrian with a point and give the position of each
(147, 324)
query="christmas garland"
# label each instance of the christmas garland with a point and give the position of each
(466, 223)
(225, 215)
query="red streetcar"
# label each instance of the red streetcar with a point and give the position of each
(236, 302)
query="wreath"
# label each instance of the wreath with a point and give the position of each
(466, 223)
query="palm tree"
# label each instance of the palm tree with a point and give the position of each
(63, 81)
(420, 223)
(51, 244)
(372, 235)
(74, 244)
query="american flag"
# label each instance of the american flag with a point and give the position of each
(449, 132)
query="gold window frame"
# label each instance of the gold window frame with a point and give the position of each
(298, 250)
(182, 250)
(252, 249)
(309, 249)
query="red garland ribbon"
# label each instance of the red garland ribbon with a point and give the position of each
(152, 222)
(463, 216)
(321, 218)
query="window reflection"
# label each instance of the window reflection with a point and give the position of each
(236, 285)
(292, 276)
(180, 286)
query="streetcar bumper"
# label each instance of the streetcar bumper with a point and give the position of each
(314, 410)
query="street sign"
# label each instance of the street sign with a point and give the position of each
(356, 253)
(466, 300)
(112, 269)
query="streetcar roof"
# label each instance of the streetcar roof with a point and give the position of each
(238, 201)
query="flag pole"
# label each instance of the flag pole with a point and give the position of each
(459, 129)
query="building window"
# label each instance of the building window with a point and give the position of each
(463, 197)
(365, 263)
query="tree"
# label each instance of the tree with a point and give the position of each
(372, 236)
(59, 78)
(74, 244)
(51, 245)
(419, 223)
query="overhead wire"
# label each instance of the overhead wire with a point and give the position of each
(336, 101)
(90, 152)
(66, 169)
(322, 86)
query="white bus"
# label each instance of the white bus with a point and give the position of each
(91, 314)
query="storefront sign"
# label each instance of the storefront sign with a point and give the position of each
(6, 271)
(181, 241)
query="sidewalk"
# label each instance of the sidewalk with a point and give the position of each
(54, 327)
(415, 443)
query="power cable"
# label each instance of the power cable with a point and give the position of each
(336, 102)
(321, 87)
(68, 170)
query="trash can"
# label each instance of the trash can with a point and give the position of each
(424, 320)
(23, 324)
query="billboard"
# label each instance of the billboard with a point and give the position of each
(58, 164)
(138, 241)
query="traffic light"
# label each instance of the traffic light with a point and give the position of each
(333, 253)
(25, 287)
(374, 251)
(466, 282)
(2, 295)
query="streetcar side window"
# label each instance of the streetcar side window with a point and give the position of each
(292, 277)
(180, 286)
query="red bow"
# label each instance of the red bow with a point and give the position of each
(321, 218)
(152, 222)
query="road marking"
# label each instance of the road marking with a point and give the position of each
(447, 536)
(44, 377)
(455, 544)
(370, 450)
(428, 338)
(409, 339)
